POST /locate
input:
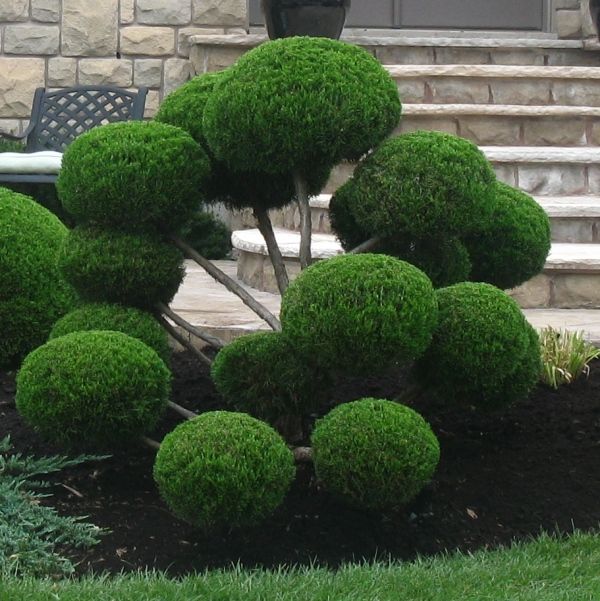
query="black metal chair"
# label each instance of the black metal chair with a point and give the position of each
(57, 118)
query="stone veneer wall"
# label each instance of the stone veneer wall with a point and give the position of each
(128, 43)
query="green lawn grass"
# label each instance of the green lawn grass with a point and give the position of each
(545, 570)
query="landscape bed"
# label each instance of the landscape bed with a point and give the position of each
(503, 476)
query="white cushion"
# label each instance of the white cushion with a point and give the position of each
(46, 161)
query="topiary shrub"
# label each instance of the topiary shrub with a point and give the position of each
(263, 374)
(360, 313)
(377, 454)
(296, 104)
(423, 185)
(131, 269)
(513, 244)
(223, 470)
(33, 294)
(133, 175)
(207, 235)
(93, 390)
(128, 320)
(484, 352)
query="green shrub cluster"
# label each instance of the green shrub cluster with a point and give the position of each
(375, 453)
(264, 375)
(484, 352)
(133, 176)
(93, 390)
(223, 470)
(33, 295)
(119, 318)
(110, 266)
(360, 313)
(207, 235)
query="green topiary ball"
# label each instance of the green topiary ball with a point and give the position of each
(184, 108)
(360, 313)
(296, 104)
(33, 294)
(93, 390)
(513, 244)
(483, 352)
(113, 267)
(423, 185)
(128, 320)
(263, 374)
(223, 470)
(133, 176)
(377, 454)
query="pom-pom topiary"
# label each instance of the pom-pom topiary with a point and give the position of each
(295, 104)
(93, 390)
(223, 470)
(128, 320)
(420, 186)
(131, 269)
(360, 312)
(263, 374)
(33, 294)
(483, 352)
(133, 176)
(513, 244)
(377, 454)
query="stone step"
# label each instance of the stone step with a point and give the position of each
(507, 124)
(570, 279)
(498, 84)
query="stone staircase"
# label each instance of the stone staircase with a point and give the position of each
(533, 106)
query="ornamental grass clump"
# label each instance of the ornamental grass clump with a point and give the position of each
(223, 470)
(96, 390)
(119, 318)
(33, 294)
(374, 453)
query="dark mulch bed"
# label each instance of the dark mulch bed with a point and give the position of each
(502, 477)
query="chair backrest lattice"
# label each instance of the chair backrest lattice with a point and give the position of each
(60, 116)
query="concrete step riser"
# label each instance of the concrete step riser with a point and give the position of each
(511, 130)
(480, 90)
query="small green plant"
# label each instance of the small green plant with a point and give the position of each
(34, 540)
(565, 356)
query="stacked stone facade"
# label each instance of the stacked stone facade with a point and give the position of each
(127, 43)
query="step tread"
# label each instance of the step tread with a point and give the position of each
(566, 256)
(542, 154)
(504, 110)
(494, 71)
(574, 320)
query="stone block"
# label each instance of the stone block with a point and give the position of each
(14, 10)
(221, 13)
(461, 56)
(404, 55)
(552, 180)
(506, 174)
(177, 72)
(567, 23)
(464, 90)
(31, 39)
(536, 293)
(148, 72)
(576, 231)
(587, 24)
(214, 58)
(339, 175)
(576, 291)
(594, 179)
(577, 92)
(106, 71)
(127, 12)
(526, 56)
(184, 35)
(45, 11)
(89, 27)
(257, 272)
(552, 131)
(10, 126)
(152, 104)
(412, 90)
(493, 130)
(62, 72)
(19, 77)
(151, 41)
(594, 135)
(159, 12)
(413, 123)
(520, 92)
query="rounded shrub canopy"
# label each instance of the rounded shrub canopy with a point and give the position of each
(513, 244)
(294, 104)
(263, 374)
(223, 470)
(93, 390)
(422, 185)
(33, 294)
(360, 312)
(133, 176)
(484, 352)
(131, 269)
(128, 320)
(375, 453)
(236, 187)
